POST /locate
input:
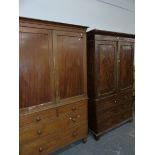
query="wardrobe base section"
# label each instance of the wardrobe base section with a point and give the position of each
(98, 135)
(45, 131)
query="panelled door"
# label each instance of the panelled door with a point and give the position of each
(70, 62)
(106, 67)
(35, 67)
(125, 65)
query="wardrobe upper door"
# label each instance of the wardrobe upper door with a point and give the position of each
(35, 67)
(105, 67)
(69, 49)
(125, 65)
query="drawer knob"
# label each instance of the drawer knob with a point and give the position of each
(78, 116)
(74, 119)
(74, 133)
(40, 149)
(38, 119)
(39, 132)
(73, 108)
(115, 101)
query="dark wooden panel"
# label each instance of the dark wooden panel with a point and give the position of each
(35, 67)
(92, 115)
(106, 103)
(125, 97)
(125, 65)
(70, 55)
(106, 61)
(91, 82)
(113, 38)
(114, 121)
(104, 115)
(110, 33)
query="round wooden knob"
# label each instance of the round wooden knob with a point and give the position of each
(115, 101)
(38, 119)
(73, 108)
(74, 119)
(78, 116)
(40, 149)
(39, 132)
(74, 133)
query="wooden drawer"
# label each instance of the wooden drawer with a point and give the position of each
(113, 111)
(106, 103)
(42, 146)
(35, 130)
(113, 121)
(113, 101)
(72, 115)
(37, 117)
(117, 110)
(72, 108)
(62, 130)
(73, 134)
(125, 99)
(127, 114)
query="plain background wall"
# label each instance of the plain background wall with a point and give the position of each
(92, 13)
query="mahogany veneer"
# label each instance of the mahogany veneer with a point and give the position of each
(110, 79)
(53, 85)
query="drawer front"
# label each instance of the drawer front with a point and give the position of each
(72, 115)
(125, 99)
(34, 131)
(106, 103)
(42, 146)
(73, 134)
(116, 111)
(113, 121)
(113, 101)
(104, 115)
(37, 117)
(72, 108)
(127, 114)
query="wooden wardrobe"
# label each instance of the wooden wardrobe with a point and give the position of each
(53, 85)
(110, 79)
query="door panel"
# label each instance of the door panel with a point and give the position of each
(70, 64)
(126, 50)
(35, 67)
(106, 53)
